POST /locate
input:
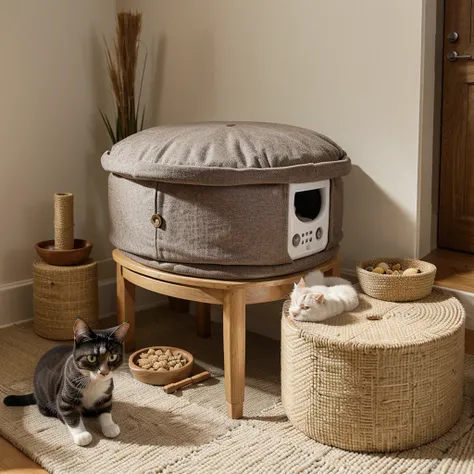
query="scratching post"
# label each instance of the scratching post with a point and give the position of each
(65, 288)
(63, 221)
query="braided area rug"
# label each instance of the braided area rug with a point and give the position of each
(188, 432)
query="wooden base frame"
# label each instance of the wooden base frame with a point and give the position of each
(234, 296)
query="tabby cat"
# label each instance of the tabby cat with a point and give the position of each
(72, 382)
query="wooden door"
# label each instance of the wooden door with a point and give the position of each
(456, 212)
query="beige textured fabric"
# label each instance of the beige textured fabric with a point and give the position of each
(216, 154)
(200, 224)
(235, 232)
(61, 295)
(222, 196)
(397, 287)
(188, 432)
(384, 377)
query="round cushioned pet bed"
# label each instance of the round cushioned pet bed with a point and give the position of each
(226, 200)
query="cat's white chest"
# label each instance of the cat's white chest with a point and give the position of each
(94, 391)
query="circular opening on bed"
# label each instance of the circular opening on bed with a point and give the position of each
(308, 204)
(230, 125)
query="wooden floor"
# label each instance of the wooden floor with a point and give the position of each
(455, 270)
(14, 461)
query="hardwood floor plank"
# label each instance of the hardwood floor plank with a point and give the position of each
(469, 342)
(13, 461)
(455, 269)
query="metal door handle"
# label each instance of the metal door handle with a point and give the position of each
(454, 56)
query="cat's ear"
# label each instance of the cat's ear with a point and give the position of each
(82, 331)
(120, 332)
(301, 284)
(320, 298)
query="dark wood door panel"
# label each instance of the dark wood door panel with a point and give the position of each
(456, 206)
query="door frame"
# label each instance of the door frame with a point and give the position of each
(431, 95)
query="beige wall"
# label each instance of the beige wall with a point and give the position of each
(52, 80)
(351, 70)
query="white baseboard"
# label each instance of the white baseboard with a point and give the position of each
(349, 274)
(467, 300)
(261, 318)
(144, 299)
(16, 301)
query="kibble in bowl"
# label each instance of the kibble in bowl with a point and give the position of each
(160, 365)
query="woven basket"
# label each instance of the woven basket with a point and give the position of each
(384, 377)
(397, 287)
(63, 294)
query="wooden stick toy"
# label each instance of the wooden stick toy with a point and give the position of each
(172, 387)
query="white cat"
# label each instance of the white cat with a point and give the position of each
(324, 298)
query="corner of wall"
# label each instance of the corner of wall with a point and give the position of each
(429, 127)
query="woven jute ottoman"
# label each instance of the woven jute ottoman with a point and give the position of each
(63, 294)
(384, 377)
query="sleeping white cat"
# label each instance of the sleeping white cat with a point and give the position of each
(324, 298)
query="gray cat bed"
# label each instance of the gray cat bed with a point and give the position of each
(227, 200)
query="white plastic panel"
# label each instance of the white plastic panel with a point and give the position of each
(308, 222)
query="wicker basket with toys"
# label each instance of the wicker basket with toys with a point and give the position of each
(396, 279)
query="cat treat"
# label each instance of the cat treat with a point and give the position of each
(161, 361)
(383, 268)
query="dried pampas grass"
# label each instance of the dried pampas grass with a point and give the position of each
(122, 62)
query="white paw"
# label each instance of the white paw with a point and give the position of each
(82, 439)
(111, 431)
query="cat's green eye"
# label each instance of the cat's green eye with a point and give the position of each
(92, 359)
(113, 357)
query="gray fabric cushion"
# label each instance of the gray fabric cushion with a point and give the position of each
(201, 179)
(207, 225)
(227, 154)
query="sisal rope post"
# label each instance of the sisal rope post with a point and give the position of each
(63, 221)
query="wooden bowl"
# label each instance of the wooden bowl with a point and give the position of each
(80, 253)
(160, 378)
(397, 288)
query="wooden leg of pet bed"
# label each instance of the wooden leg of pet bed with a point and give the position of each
(126, 307)
(234, 351)
(336, 267)
(203, 314)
